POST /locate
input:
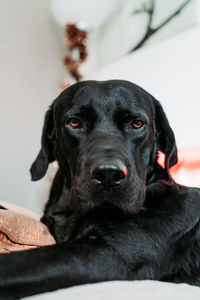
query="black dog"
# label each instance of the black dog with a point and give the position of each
(114, 212)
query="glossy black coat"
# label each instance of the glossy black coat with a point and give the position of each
(145, 227)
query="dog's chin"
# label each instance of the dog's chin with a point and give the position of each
(83, 210)
(125, 201)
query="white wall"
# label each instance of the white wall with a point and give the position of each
(31, 70)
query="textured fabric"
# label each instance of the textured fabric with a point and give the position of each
(22, 232)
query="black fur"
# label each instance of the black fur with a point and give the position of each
(145, 227)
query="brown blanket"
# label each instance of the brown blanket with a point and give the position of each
(21, 230)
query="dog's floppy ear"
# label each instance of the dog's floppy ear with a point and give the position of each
(47, 152)
(165, 139)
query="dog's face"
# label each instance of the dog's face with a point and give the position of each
(105, 136)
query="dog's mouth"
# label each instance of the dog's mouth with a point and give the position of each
(106, 179)
(107, 189)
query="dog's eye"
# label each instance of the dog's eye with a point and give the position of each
(137, 124)
(74, 123)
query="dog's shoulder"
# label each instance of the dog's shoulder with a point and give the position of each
(188, 200)
(189, 194)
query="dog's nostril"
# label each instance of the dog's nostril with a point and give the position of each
(109, 174)
(118, 176)
(98, 176)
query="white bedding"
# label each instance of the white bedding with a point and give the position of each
(125, 290)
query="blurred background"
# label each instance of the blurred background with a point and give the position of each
(46, 45)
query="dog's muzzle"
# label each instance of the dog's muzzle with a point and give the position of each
(109, 172)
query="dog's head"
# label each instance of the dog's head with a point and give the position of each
(105, 136)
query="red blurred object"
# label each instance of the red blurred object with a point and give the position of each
(187, 170)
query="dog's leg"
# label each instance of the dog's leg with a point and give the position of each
(63, 265)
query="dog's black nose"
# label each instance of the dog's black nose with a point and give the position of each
(110, 173)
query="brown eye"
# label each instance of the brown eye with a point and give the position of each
(137, 124)
(74, 123)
